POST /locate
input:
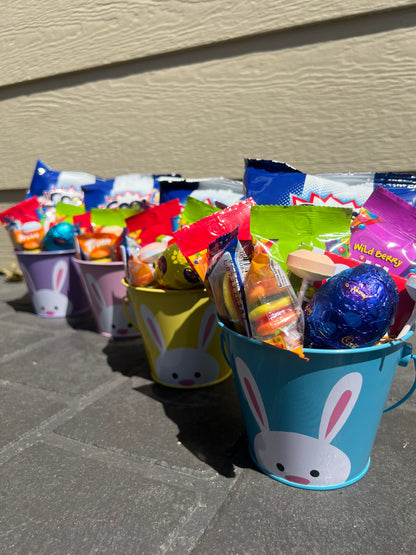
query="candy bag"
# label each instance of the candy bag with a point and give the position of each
(59, 186)
(228, 264)
(195, 210)
(96, 246)
(135, 190)
(274, 313)
(23, 225)
(145, 227)
(384, 233)
(65, 212)
(139, 262)
(287, 228)
(193, 240)
(207, 189)
(273, 182)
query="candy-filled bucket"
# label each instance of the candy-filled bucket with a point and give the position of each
(181, 336)
(102, 283)
(54, 283)
(312, 424)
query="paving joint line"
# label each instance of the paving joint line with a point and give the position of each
(33, 435)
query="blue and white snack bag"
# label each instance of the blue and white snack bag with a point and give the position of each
(272, 182)
(58, 186)
(134, 190)
(215, 190)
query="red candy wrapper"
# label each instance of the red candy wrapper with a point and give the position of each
(194, 240)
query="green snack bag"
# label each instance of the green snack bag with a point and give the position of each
(286, 229)
(65, 212)
(109, 217)
(195, 210)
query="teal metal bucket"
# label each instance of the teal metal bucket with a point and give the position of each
(312, 423)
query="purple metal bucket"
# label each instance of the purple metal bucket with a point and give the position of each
(54, 283)
(103, 285)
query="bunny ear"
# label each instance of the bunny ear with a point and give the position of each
(28, 279)
(59, 273)
(339, 404)
(252, 393)
(95, 290)
(208, 327)
(153, 327)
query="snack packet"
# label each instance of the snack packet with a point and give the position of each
(195, 210)
(288, 228)
(135, 190)
(384, 233)
(65, 212)
(273, 182)
(23, 225)
(96, 246)
(59, 186)
(145, 227)
(273, 311)
(228, 264)
(207, 189)
(194, 240)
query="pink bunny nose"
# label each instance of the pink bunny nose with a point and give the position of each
(122, 331)
(186, 382)
(50, 312)
(297, 480)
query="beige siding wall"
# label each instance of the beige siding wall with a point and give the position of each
(195, 86)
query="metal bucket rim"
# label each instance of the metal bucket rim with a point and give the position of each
(44, 253)
(165, 291)
(307, 351)
(112, 264)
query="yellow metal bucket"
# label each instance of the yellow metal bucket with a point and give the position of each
(181, 336)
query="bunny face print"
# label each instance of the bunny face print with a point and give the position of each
(302, 459)
(51, 301)
(184, 366)
(108, 309)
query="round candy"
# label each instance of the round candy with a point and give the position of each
(60, 237)
(352, 309)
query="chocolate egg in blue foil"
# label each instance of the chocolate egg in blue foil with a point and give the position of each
(352, 309)
(60, 237)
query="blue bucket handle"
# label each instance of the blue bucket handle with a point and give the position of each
(223, 347)
(404, 362)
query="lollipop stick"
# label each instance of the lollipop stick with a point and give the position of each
(302, 290)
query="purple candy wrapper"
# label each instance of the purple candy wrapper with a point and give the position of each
(384, 233)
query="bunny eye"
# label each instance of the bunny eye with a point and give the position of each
(280, 467)
(55, 307)
(197, 374)
(175, 375)
(129, 325)
(314, 473)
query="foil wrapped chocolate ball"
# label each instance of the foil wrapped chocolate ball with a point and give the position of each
(60, 237)
(353, 309)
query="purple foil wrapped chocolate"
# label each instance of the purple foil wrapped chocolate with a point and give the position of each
(352, 309)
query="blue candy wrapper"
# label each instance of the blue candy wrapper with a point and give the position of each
(59, 186)
(208, 189)
(352, 309)
(273, 182)
(135, 190)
